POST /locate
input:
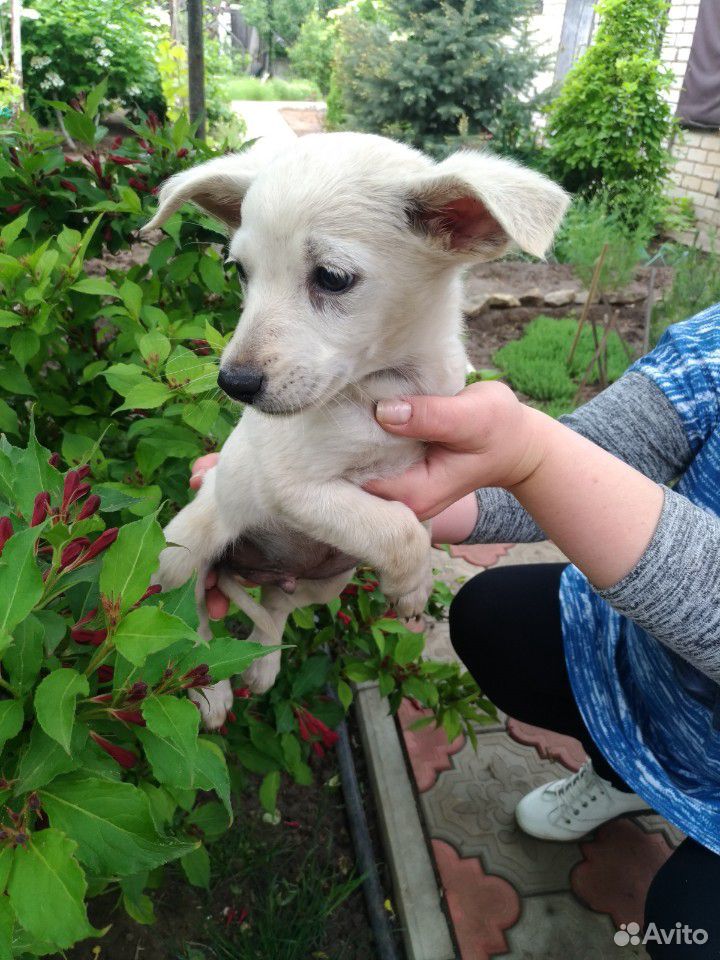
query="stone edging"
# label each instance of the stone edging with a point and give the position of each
(425, 928)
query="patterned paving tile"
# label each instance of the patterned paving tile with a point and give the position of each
(619, 863)
(549, 745)
(557, 927)
(427, 748)
(480, 906)
(472, 807)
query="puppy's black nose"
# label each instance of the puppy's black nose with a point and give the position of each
(242, 382)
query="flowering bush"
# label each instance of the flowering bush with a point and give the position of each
(105, 773)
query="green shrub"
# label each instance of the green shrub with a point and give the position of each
(438, 75)
(74, 45)
(313, 53)
(537, 366)
(588, 226)
(695, 286)
(610, 124)
(115, 366)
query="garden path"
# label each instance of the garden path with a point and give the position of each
(264, 118)
(510, 896)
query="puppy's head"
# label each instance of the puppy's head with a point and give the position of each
(347, 245)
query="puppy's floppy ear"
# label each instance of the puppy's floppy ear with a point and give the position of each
(217, 186)
(474, 204)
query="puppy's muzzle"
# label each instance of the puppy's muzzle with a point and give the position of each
(243, 381)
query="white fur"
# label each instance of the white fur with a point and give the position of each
(298, 457)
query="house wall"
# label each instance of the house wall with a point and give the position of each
(696, 174)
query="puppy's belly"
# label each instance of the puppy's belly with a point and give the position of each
(281, 556)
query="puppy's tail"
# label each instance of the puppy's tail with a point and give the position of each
(258, 614)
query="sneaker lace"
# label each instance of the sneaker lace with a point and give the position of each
(579, 791)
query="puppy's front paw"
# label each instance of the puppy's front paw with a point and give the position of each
(214, 703)
(262, 674)
(411, 605)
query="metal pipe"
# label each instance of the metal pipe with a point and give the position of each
(196, 65)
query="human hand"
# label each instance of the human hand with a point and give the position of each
(483, 437)
(216, 602)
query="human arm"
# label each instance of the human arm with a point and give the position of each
(631, 419)
(648, 551)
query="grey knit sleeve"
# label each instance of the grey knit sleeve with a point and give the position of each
(673, 592)
(632, 419)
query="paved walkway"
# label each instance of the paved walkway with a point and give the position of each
(508, 895)
(264, 119)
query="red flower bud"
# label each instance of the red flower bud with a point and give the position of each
(105, 539)
(102, 698)
(91, 506)
(242, 693)
(291, 823)
(92, 637)
(67, 185)
(87, 618)
(126, 758)
(129, 716)
(72, 551)
(138, 184)
(317, 749)
(232, 716)
(41, 508)
(54, 460)
(150, 592)
(138, 691)
(182, 153)
(105, 673)
(70, 485)
(117, 142)
(349, 591)
(6, 531)
(344, 618)
(223, 730)
(83, 471)
(14, 209)
(153, 121)
(121, 161)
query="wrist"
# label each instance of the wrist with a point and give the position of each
(537, 430)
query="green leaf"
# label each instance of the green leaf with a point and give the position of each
(122, 377)
(132, 296)
(409, 647)
(8, 418)
(171, 738)
(11, 720)
(196, 866)
(24, 344)
(225, 657)
(95, 286)
(139, 906)
(112, 825)
(146, 395)
(114, 496)
(147, 630)
(154, 346)
(211, 818)
(269, 790)
(24, 658)
(11, 231)
(212, 772)
(55, 700)
(45, 759)
(47, 890)
(7, 924)
(212, 273)
(130, 562)
(345, 694)
(33, 473)
(311, 676)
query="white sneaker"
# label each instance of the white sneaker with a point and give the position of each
(568, 809)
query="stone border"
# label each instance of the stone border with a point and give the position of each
(425, 928)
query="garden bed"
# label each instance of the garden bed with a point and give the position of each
(270, 888)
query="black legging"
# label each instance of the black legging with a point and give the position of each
(505, 626)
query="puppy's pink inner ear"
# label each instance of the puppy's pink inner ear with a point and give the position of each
(468, 221)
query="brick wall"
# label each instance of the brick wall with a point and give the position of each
(697, 172)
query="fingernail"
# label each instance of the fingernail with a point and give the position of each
(394, 412)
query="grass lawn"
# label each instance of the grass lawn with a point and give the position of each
(274, 88)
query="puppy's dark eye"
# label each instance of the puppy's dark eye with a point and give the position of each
(332, 281)
(241, 272)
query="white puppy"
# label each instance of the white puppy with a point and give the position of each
(351, 249)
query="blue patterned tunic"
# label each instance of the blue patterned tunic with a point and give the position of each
(654, 716)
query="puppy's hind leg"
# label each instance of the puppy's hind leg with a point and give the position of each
(277, 606)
